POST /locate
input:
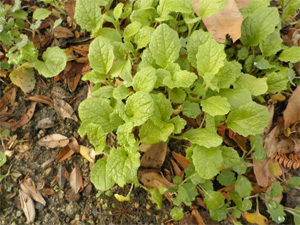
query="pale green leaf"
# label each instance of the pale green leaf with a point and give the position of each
(162, 108)
(103, 92)
(254, 5)
(55, 60)
(190, 109)
(207, 161)
(97, 137)
(111, 34)
(179, 124)
(271, 44)
(226, 177)
(203, 137)
(208, 7)
(144, 79)
(118, 10)
(88, 14)
(156, 197)
(215, 105)
(120, 92)
(296, 213)
(230, 157)
(41, 14)
(210, 57)
(122, 167)
(276, 190)
(132, 29)
(99, 176)
(243, 186)
(177, 213)
(180, 79)
(289, 8)
(258, 25)
(291, 54)
(94, 77)
(293, 182)
(249, 119)
(122, 69)
(214, 200)
(236, 97)
(257, 86)
(126, 138)
(101, 55)
(164, 45)
(179, 6)
(143, 37)
(277, 81)
(2, 158)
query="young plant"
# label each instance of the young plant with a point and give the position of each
(164, 67)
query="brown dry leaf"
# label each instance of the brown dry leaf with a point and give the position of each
(297, 146)
(88, 153)
(73, 82)
(45, 123)
(81, 49)
(73, 144)
(25, 117)
(76, 181)
(271, 114)
(64, 110)
(70, 7)
(286, 146)
(27, 185)
(62, 32)
(41, 99)
(23, 77)
(154, 180)
(262, 172)
(71, 196)
(61, 176)
(177, 170)
(228, 21)
(53, 141)
(291, 114)
(64, 154)
(7, 101)
(58, 92)
(181, 160)
(155, 156)
(271, 140)
(27, 206)
(48, 192)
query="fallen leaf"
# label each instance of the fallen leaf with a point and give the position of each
(62, 32)
(154, 180)
(64, 154)
(40, 98)
(181, 160)
(255, 218)
(271, 113)
(7, 101)
(27, 185)
(45, 123)
(286, 145)
(262, 172)
(87, 153)
(122, 198)
(76, 181)
(291, 114)
(25, 117)
(70, 7)
(64, 110)
(61, 176)
(81, 49)
(27, 206)
(73, 82)
(71, 196)
(242, 3)
(48, 192)
(178, 172)
(155, 156)
(271, 140)
(53, 141)
(73, 144)
(58, 92)
(23, 77)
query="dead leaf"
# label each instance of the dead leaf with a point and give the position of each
(25, 117)
(27, 206)
(262, 172)
(271, 114)
(73, 144)
(61, 176)
(58, 92)
(45, 123)
(7, 101)
(76, 181)
(48, 192)
(69, 7)
(24, 78)
(154, 180)
(64, 154)
(62, 32)
(181, 160)
(155, 156)
(27, 185)
(255, 218)
(88, 153)
(271, 140)
(81, 49)
(53, 141)
(73, 82)
(291, 114)
(71, 196)
(228, 21)
(64, 110)
(242, 3)
(177, 170)
(40, 98)
(286, 145)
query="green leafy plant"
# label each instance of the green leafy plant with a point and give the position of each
(164, 62)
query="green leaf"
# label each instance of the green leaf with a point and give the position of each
(230, 157)
(257, 145)
(203, 137)
(257, 86)
(156, 197)
(88, 14)
(289, 8)
(215, 105)
(219, 214)
(291, 54)
(214, 200)
(207, 161)
(253, 6)
(261, 63)
(295, 213)
(144, 80)
(276, 211)
(179, 6)
(122, 69)
(198, 37)
(177, 213)
(208, 7)
(243, 186)
(240, 168)
(2, 158)
(110, 34)
(40, 14)
(162, 108)
(243, 205)
(258, 25)
(277, 81)
(249, 119)
(236, 97)
(177, 95)
(99, 176)
(150, 133)
(210, 57)
(276, 190)
(94, 77)
(122, 167)
(132, 29)
(186, 194)
(103, 92)
(271, 44)
(179, 124)
(97, 137)
(101, 55)
(226, 177)
(180, 79)
(191, 109)
(164, 45)
(118, 10)
(24, 78)
(55, 60)
(96, 111)
(120, 92)
(293, 182)
(143, 37)
(139, 107)
(126, 139)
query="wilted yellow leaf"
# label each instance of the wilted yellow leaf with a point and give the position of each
(274, 169)
(122, 198)
(255, 218)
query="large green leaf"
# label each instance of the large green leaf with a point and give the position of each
(180, 79)
(162, 108)
(291, 54)
(55, 60)
(164, 45)
(258, 25)
(143, 37)
(203, 137)
(179, 6)
(208, 7)
(277, 81)
(289, 8)
(99, 176)
(230, 157)
(97, 137)
(144, 80)
(249, 119)
(257, 86)
(215, 105)
(214, 200)
(243, 186)
(271, 44)
(207, 161)
(236, 97)
(122, 167)
(101, 55)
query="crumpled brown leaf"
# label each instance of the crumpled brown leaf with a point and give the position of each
(76, 181)
(155, 156)
(53, 141)
(27, 205)
(25, 118)
(27, 185)
(291, 114)
(271, 141)
(262, 172)
(64, 110)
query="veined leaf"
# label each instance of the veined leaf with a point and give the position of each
(179, 6)
(257, 86)
(215, 105)
(203, 137)
(213, 199)
(236, 97)
(144, 79)
(243, 186)
(208, 7)
(271, 44)
(180, 79)
(291, 54)
(99, 176)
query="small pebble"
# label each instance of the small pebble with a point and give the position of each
(19, 213)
